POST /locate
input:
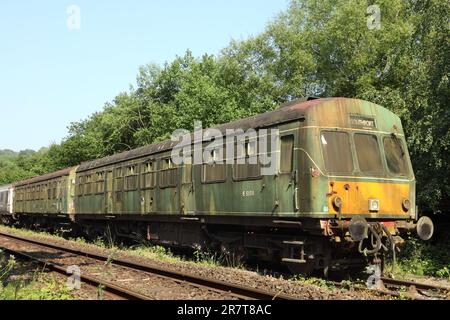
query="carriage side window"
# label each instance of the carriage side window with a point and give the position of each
(337, 153)
(131, 179)
(99, 182)
(58, 190)
(247, 166)
(368, 152)
(55, 184)
(79, 186)
(395, 156)
(88, 185)
(118, 180)
(168, 174)
(212, 171)
(187, 170)
(287, 154)
(148, 175)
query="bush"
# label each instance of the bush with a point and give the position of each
(425, 258)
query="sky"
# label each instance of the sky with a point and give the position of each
(62, 61)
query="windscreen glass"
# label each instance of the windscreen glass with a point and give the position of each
(337, 152)
(368, 152)
(396, 156)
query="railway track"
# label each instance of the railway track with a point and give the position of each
(237, 291)
(412, 289)
(404, 289)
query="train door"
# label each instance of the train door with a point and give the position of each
(287, 175)
(147, 180)
(187, 197)
(109, 192)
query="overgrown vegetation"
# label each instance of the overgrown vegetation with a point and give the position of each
(143, 249)
(330, 285)
(39, 287)
(215, 259)
(320, 48)
(424, 259)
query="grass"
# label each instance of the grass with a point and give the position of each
(329, 285)
(423, 259)
(153, 252)
(143, 249)
(40, 287)
(48, 289)
(214, 259)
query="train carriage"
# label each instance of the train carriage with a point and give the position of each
(6, 200)
(343, 187)
(46, 199)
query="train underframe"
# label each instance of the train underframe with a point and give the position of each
(304, 246)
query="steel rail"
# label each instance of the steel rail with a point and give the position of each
(239, 291)
(417, 285)
(92, 281)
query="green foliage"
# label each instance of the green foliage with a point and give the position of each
(6, 265)
(15, 166)
(320, 48)
(424, 259)
(35, 289)
(318, 282)
(214, 259)
(49, 290)
(154, 252)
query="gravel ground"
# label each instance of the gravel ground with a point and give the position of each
(152, 286)
(248, 278)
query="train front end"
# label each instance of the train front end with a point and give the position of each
(360, 163)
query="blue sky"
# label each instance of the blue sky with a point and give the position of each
(51, 76)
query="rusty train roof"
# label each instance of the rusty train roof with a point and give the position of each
(49, 176)
(288, 112)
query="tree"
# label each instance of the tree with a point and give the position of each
(319, 48)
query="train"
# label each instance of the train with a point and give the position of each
(340, 193)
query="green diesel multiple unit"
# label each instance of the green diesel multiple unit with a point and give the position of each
(343, 176)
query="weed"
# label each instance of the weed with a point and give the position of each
(424, 259)
(101, 292)
(314, 281)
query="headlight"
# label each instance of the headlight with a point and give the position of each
(406, 204)
(337, 201)
(374, 205)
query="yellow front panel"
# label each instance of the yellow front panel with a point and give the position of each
(356, 195)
